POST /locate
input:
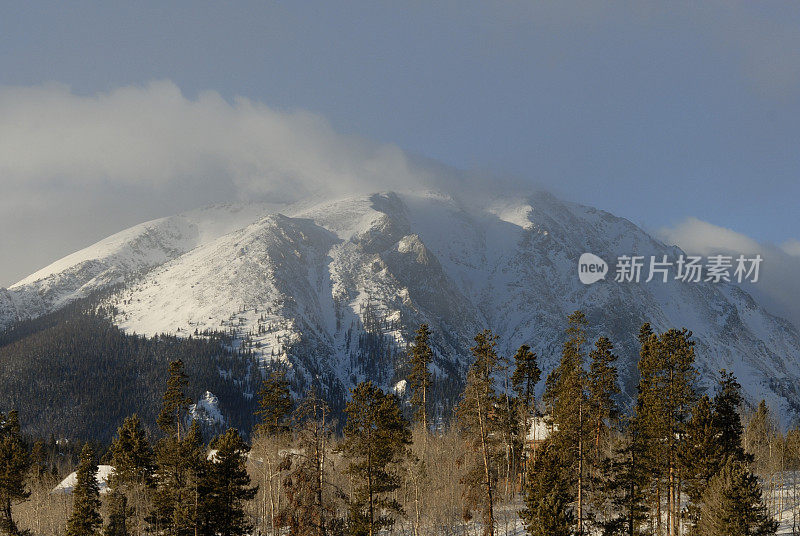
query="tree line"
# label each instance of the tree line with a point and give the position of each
(73, 373)
(678, 462)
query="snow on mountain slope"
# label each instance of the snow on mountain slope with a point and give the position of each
(119, 258)
(68, 484)
(336, 288)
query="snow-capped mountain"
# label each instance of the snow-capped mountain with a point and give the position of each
(336, 287)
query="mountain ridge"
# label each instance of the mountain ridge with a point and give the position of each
(335, 288)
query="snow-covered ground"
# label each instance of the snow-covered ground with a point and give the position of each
(68, 484)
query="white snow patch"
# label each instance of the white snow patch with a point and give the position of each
(400, 388)
(68, 484)
(207, 410)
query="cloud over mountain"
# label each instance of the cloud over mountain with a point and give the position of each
(77, 163)
(778, 287)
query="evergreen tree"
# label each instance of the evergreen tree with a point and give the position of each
(524, 379)
(132, 478)
(626, 485)
(275, 402)
(727, 401)
(565, 397)
(375, 440)
(477, 415)
(14, 464)
(733, 505)
(175, 402)
(225, 488)
(85, 519)
(702, 457)
(548, 499)
(117, 515)
(272, 435)
(180, 464)
(306, 485)
(648, 419)
(665, 398)
(602, 386)
(713, 436)
(419, 379)
(131, 454)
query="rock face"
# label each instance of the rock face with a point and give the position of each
(337, 287)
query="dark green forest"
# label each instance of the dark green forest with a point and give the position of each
(75, 375)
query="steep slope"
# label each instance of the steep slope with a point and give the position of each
(336, 288)
(119, 258)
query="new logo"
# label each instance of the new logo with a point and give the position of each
(591, 268)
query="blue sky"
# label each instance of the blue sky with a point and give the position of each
(657, 112)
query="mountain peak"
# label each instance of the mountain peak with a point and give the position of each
(336, 287)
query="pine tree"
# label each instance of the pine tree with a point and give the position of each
(419, 379)
(117, 515)
(272, 434)
(375, 440)
(524, 379)
(680, 397)
(179, 463)
(713, 436)
(548, 497)
(626, 485)
(601, 414)
(702, 457)
(306, 485)
(648, 419)
(665, 398)
(85, 519)
(477, 415)
(565, 398)
(131, 454)
(225, 488)
(14, 464)
(275, 402)
(132, 478)
(175, 402)
(602, 386)
(727, 401)
(733, 505)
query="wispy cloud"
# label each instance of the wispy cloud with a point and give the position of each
(76, 168)
(791, 247)
(778, 287)
(153, 137)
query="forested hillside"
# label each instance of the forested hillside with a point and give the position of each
(74, 374)
(679, 463)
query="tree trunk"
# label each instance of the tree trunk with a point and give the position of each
(425, 407)
(271, 496)
(369, 487)
(321, 458)
(658, 507)
(580, 467)
(671, 501)
(487, 472)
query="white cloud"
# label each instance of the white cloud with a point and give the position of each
(791, 247)
(76, 168)
(778, 288)
(153, 136)
(703, 238)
